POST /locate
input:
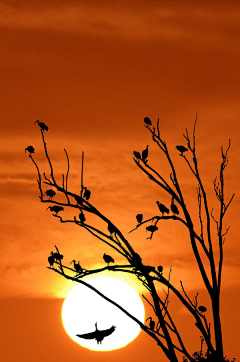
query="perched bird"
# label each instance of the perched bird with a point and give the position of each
(108, 259)
(51, 260)
(137, 155)
(151, 323)
(87, 194)
(152, 228)
(202, 309)
(42, 125)
(160, 269)
(57, 256)
(30, 149)
(50, 193)
(111, 228)
(181, 149)
(78, 199)
(97, 334)
(145, 154)
(163, 209)
(174, 208)
(77, 267)
(137, 259)
(139, 218)
(55, 208)
(147, 121)
(82, 217)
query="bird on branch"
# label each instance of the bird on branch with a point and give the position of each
(174, 208)
(87, 194)
(57, 256)
(181, 149)
(42, 125)
(139, 218)
(55, 208)
(151, 323)
(145, 154)
(151, 228)
(160, 269)
(108, 259)
(51, 260)
(30, 149)
(50, 193)
(77, 267)
(137, 155)
(147, 121)
(163, 209)
(82, 217)
(202, 309)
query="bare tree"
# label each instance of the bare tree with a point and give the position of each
(164, 332)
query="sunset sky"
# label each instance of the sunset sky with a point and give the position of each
(92, 70)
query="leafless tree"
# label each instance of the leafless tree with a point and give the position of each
(164, 332)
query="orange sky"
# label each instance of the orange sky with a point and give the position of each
(91, 71)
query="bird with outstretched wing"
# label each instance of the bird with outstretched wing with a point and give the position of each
(97, 334)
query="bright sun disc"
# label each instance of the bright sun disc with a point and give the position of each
(83, 307)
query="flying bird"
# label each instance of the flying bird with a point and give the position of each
(108, 259)
(152, 228)
(42, 125)
(30, 149)
(87, 194)
(163, 209)
(181, 149)
(151, 323)
(97, 334)
(50, 193)
(145, 154)
(202, 309)
(137, 155)
(55, 208)
(82, 217)
(174, 208)
(77, 267)
(139, 218)
(147, 121)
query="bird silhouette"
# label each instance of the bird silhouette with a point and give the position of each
(51, 260)
(77, 267)
(42, 125)
(108, 259)
(147, 121)
(30, 149)
(111, 228)
(139, 218)
(99, 335)
(55, 208)
(137, 155)
(181, 149)
(163, 209)
(50, 193)
(202, 309)
(78, 199)
(160, 269)
(87, 194)
(145, 154)
(137, 259)
(152, 228)
(151, 323)
(174, 208)
(57, 256)
(82, 217)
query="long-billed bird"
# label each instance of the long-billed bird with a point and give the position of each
(55, 208)
(77, 267)
(181, 149)
(147, 121)
(42, 125)
(202, 309)
(137, 155)
(50, 193)
(152, 228)
(99, 335)
(139, 218)
(108, 259)
(51, 260)
(57, 256)
(145, 154)
(30, 149)
(163, 209)
(151, 323)
(174, 208)
(82, 217)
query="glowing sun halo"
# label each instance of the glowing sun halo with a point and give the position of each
(82, 308)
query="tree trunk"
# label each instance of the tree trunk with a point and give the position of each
(217, 325)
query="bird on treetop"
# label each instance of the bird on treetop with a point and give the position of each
(139, 218)
(163, 209)
(137, 155)
(30, 149)
(147, 121)
(152, 228)
(50, 193)
(42, 125)
(145, 154)
(82, 217)
(108, 259)
(181, 149)
(174, 208)
(55, 208)
(202, 309)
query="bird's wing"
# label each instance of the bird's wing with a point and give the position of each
(107, 332)
(91, 335)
